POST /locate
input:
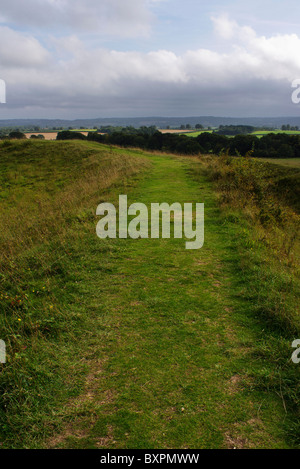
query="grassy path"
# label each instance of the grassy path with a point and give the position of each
(170, 352)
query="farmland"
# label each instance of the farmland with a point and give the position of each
(261, 133)
(258, 133)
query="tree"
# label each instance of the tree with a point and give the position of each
(286, 151)
(16, 134)
(188, 146)
(39, 137)
(70, 135)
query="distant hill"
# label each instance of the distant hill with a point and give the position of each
(160, 122)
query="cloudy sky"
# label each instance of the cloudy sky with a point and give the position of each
(118, 58)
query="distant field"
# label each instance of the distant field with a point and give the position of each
(47, 135)
(190, 133)
(198, 132)
(171, 131)
(83, 130)
(50, 135)
(260, 133)
(290, 162)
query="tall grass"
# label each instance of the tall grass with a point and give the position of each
(261, 202)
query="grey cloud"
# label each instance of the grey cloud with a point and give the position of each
(252, 78)
(129, 18)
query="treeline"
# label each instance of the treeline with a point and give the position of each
(235, 129)
(289, 127)
(16, 134)
(269, 146)
(144, 138)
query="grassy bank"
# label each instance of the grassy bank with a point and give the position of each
(49, 194)
(261, 201)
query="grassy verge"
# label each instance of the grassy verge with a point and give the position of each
(261, 201)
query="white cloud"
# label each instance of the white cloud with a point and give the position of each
(223, 26)
(276, 57)
(21, 50)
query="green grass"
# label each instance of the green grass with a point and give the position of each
(257, 198)
(198, 132)
(170, 357)
(83, 130)
(128, 343)
(277, 131)
(50, 191)
(261, 133)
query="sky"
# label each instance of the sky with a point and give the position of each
(136, 58)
